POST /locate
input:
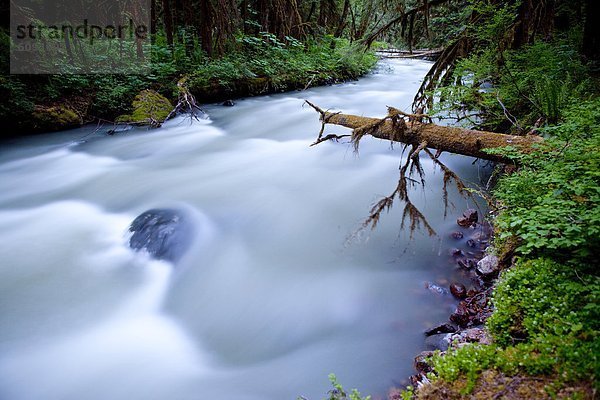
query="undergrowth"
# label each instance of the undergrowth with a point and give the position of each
(284, 64)
(551, 203)
(547, 306)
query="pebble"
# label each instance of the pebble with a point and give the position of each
(457, 235)
(458, 290)
(457, 252)
(468, 219)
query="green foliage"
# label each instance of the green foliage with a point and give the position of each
(286, 64)
(552, 203)
(539, 80)
(499, 20)
(546, 323)
(544, 78)
(17, 102)
(542, 297)
(253, 62)
(113, 94)
(338, 392)
(547, 312)
(447, 24)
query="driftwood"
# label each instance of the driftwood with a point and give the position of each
(186, 102)
(391, 53)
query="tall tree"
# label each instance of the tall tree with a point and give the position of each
(591, 30)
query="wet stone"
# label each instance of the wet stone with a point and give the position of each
(164, 233)
(488, 267)
(422, 364)
(461, 316)
(457, 252)
(435, 288)
(438, 342)
(471, 335)
(443, 328)
(468, 219)
(458, 290)
(457, 235)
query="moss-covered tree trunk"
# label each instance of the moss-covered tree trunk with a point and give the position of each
(408, 129)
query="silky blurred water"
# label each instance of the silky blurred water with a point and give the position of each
(278, 289)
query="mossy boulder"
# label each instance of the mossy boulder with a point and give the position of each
(54, 118)
(149, 108)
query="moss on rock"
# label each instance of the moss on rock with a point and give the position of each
(54, 118)
(149, 108)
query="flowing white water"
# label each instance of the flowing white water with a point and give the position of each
(273, 295)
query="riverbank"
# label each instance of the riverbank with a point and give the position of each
(260, 66)
(542, 339)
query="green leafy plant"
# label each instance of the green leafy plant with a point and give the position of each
(551, 203)
(338, 392)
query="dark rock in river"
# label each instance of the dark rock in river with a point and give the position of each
(467, 264)
(443, 328)
(469, 218)
(457, 252)
(438, 342)
(229, 103)
(457, 235)
(421, 363)
(164, 233)
(458, 290)
(461, 316)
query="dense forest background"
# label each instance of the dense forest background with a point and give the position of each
(227, 48)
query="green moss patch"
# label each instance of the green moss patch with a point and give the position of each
(149, 108)
(54, 118)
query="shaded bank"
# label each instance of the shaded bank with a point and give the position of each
(38, 103)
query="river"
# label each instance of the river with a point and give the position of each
(278, 289)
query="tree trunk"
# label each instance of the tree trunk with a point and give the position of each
(467, 142)
(342, 23)
(168, 20)
(591, 30)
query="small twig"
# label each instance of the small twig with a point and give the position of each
(418, 117)
(309, 82)
(329, 137)
(324, 119)
(186, 102)
(508, 115)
